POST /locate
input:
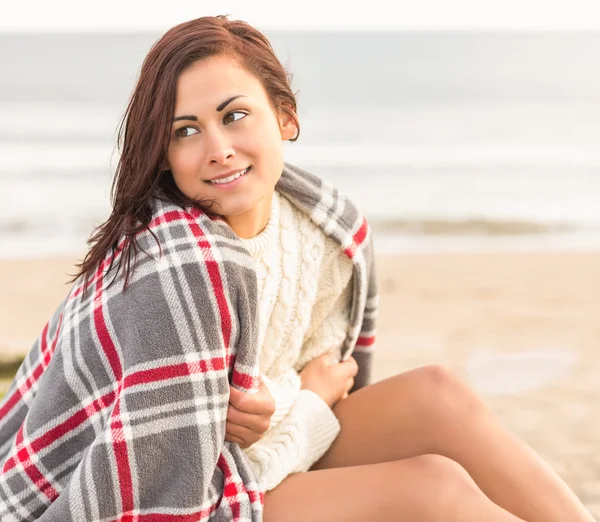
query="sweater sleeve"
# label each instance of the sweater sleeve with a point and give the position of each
(299, 440)
(303, 426)
(284, 389)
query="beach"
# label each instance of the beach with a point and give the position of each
(522, 328)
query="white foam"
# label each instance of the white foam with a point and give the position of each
(42, 119)
(454, 155)
(25, 156)
(511, 373)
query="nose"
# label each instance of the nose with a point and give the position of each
(220, 149)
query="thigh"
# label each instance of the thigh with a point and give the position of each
(429, 488)
(401, 417)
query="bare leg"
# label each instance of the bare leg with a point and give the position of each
(429, 410)
(429, 488)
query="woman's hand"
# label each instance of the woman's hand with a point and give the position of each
(329, 379)
(248, 415)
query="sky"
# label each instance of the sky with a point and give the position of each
(159, 15)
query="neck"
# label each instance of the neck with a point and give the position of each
(252, 222)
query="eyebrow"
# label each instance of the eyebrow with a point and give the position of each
(227, 102)
(220, 107)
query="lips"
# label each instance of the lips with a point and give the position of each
(228, 178)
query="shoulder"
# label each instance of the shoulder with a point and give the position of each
(186, 233)
(179, 244)
(329, 208)
(330, 263)
(323, 201)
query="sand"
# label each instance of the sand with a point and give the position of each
(524, 329)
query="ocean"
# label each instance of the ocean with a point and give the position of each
(446, 141)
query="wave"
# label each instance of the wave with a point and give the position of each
(468, 227)
(32, 156)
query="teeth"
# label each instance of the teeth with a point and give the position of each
(230, 178)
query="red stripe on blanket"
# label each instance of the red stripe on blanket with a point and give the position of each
(65, 427)
(119, 443)
(163, 517)
(233, 488)
(357, 239)
(37, 371)
(99, 273)
(10, 403)
(212, 266)
(44, 337)
(74, 421)
(243, 380)
(21, 390)
(365, 341)
(174, 370)
(34, 474)
(76, 292)
(214, 273)
(103, 334)
(48, 353)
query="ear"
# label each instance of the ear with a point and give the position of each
(289, 129)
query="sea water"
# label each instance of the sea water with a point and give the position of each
(444, 140)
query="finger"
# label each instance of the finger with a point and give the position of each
(248, 420)
(237, 440)
(349, 367)
(257, 403)
(257, 423)
(349, 384)
(241, 432)
(237, 397)
(344, 370)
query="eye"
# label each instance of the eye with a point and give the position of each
(234, 116)
(184, 132)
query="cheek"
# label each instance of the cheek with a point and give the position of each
(269, 145)
(264, 137)
(184, 160)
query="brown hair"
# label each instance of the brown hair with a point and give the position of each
(144, 130)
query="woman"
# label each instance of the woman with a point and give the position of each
(124, 408)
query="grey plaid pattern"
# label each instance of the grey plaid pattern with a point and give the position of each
(118, 411)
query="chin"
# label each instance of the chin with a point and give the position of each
(233, 210)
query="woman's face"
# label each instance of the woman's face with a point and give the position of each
(226, 141)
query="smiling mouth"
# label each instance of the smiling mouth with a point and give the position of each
(229, 179)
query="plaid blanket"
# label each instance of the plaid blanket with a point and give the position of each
(118, 411)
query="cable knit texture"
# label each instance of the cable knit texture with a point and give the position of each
(304, 301)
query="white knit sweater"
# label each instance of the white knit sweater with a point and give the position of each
(304, 305)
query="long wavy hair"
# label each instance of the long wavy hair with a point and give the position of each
(143, 136)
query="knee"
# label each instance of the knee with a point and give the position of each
(442, 471)
(439, 376)
(439, 389)
(450, 481)
(428, 487)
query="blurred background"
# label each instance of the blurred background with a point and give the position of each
(467, 133)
